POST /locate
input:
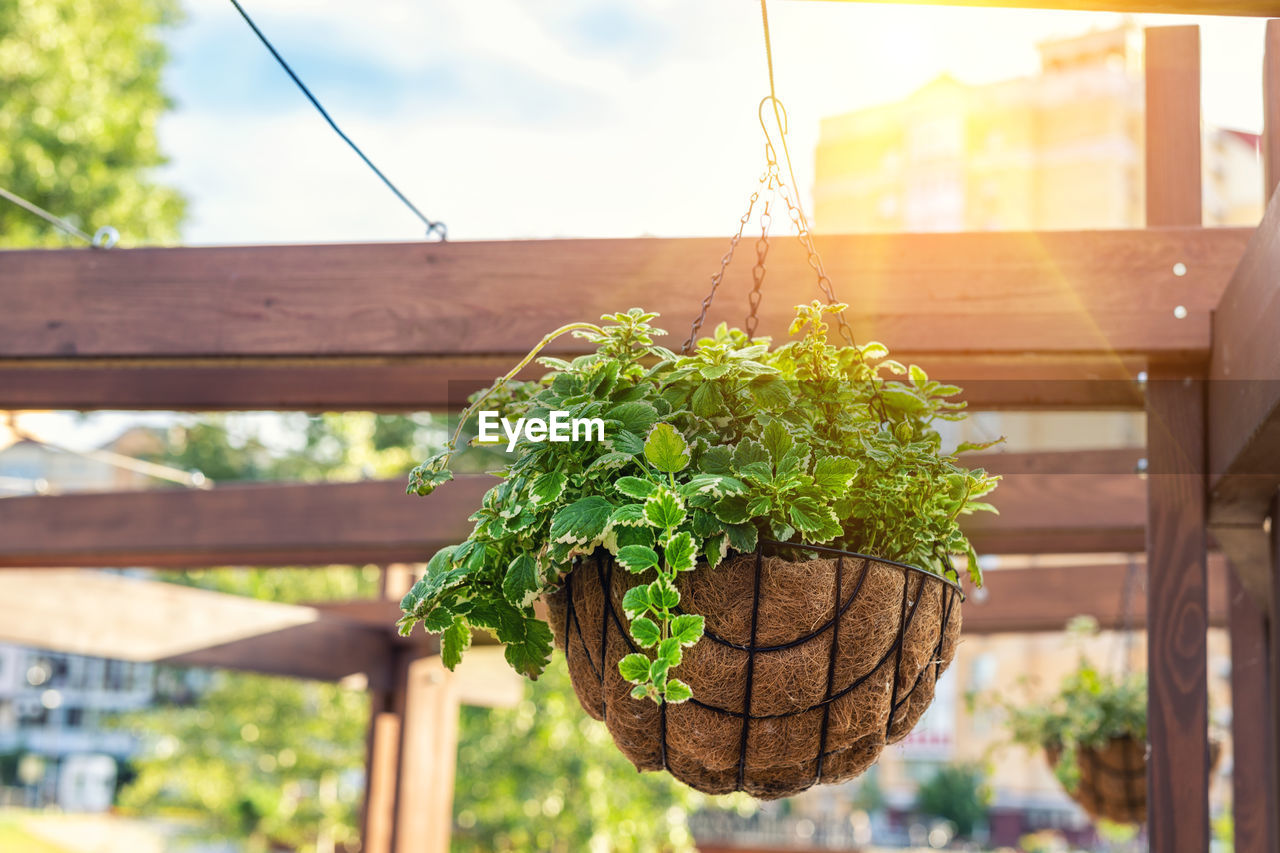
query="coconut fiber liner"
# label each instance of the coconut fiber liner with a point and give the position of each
(807, 670)
(1113, 779)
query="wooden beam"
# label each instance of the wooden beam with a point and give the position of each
(1271, 110)
(1177, 653)
(1244, 396)
(428, 709)
(1177, 543)
(1044, 599)
(1103, 292)
(93, 613)
(376, 522)
(1253, 797)
(1272, 744)
(259, 524)
(1035, 599)
(1239, 8)
(382, 759)
(428, 383)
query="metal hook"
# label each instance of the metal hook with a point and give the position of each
(780, 119)
(105, 237)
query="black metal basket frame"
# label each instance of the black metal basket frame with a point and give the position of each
(951, 593)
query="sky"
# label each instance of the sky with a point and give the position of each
(574, 118)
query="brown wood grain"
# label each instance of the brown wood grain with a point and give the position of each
(1062, 514)
(424, 383)
(1034, 599)
(428, 757)
(1271, 110)
(1178, 767)
(1272, 745)
(261, 524)
(1177, 542)
(1173, 126)
(381, 766)
(1101, 292)
(265, 524)
(1244, 394)
(1045, 598)
(329, 649)
(1253, 796)
(1117, 460)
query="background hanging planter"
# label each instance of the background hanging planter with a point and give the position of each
(1112, 779)
(808, 668)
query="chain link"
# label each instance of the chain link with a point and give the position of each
(758, 271)
(797, 217)
(724, 265)
(772, 182)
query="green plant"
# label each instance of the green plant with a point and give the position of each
(703, 454)
(539, 776)
(1090, 709)
(957, 793)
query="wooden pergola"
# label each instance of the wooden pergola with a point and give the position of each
(1175, 318)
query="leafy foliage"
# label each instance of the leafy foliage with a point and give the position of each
(957, 793)
(704, 454)
(540, 776)
(1089, 709)
(81, 102)
(274, 761)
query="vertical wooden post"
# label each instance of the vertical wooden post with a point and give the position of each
(382, 765)
(1177, 605)
(1271, 746)
(411, 753)
(1255, 666)
(428, 755)
(1251, 735)
(1271, 111)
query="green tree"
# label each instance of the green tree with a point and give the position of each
(81, 97)
(957, 793)
(545, 776)
(274, 761)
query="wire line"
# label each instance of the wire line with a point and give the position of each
(433, 227)
(56, 221)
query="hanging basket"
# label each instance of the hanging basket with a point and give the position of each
(806, 672)
(1113, 779)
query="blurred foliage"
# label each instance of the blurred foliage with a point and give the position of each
(274, 761)
(82, 97)
(957, 793)
(545, 776)
(334, 446)
(869, 795)
(1090, 708)
(541, 776)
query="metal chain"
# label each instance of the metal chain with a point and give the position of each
(772, 181)
(815, 260)
(758, 271)
(1126, 616)
(724, 265)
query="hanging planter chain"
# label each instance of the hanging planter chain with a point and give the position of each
(771, 181)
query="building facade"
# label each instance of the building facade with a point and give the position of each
(59, 744)
(1062, 149)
